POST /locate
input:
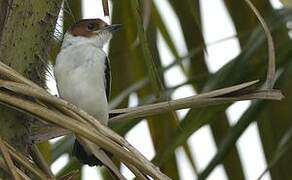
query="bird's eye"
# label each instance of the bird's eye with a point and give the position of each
(90, 27)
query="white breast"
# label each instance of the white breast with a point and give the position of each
(79, 72)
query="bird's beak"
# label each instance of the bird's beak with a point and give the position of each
(113, 28)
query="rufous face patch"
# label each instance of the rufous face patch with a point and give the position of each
(87, 27)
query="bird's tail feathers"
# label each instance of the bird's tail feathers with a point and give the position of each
(84, 157)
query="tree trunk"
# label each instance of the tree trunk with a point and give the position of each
(25, 32)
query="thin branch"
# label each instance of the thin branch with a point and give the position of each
(105, 7)
(147, 9)
(63, 114)
(271, 49)
(137, 173)
(214, 93)
(215, 97)
(13, 75)
(69, 11)
(139, 161)
(45, 133)
(116, 101)
(40, 161)
(8, 160)
(26, 163)
(82, 130)
(71, 175)
(193, 102)
(5, 168)
(16, 87)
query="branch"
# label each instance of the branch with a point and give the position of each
(8, 160)
(58, 112)
(270, 81)
(63, 114)
(6, 169)
(206, 99)
(25, 162)
(105, 7)
(216, 97)
(40, 161)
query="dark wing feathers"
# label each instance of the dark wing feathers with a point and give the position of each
(108, 78)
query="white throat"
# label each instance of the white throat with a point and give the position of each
(99, 40)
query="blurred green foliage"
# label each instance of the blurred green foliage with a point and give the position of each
(134, 58)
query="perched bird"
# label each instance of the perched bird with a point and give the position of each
(83, 75)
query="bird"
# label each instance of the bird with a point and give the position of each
(83, 74)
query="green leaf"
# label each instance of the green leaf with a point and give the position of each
(62, 146)
(164, 32)
(232, 136)
(71, 166)
(243, 68)
(45, 149)
(189, 15)
(282, 149)
(274, 127)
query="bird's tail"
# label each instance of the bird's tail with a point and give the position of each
(84, 157)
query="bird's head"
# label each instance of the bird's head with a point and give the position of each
(91, 30)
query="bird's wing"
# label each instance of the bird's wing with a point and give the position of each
(108, 78)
